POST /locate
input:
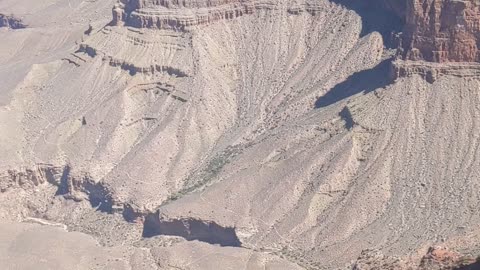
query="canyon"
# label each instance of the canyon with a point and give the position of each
(266, 134)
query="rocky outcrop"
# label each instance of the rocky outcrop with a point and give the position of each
(181, 15)
(376, 260)
(177, 15)
(438, 30)
(132, 68)
(441, 258)
(190, 229)
(431, 30)
(11, 22)
(29, 178)
(437, 258)
(433, 71)
(76, 187)
(442, 30)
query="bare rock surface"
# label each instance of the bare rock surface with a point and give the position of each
(10, 21)
(443, 31)
(436, 258)
(234, 134)
(438, 30)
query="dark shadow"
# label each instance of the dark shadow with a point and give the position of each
(473, 266)
(347, 117)
(11, 22)
(63, 187)
(130, 214)
(99, 197)
(364, 81)
(89, 30)
(191, 229)
(378, 16)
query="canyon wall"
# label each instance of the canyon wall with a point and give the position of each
(10, 21)
(434, 30)
(178, 15)
(440, 30)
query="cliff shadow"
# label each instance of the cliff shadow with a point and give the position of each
(473, 266)
(363, 81)
(378, 16)
(191, 229)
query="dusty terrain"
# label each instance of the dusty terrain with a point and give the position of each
(229, 134)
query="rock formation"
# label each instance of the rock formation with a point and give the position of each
(181, 15)
(178, 15)
(442, 31)
(11, 22)
(195, 120)
(437, 258)
(439, 30)
(434, 30)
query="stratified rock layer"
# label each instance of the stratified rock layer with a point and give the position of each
(442, 30)
(434, 30)
(182, 15)
(211, 126)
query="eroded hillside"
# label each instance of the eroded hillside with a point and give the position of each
(265, 134)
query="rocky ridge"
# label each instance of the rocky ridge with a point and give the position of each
(436, 258)
(182, 15)
(162, 125)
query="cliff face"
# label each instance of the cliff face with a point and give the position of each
(178, 15)
(434, 30)
(11, 22)
(441, 30)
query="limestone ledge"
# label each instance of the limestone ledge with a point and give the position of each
(431, 71)
(182, 15)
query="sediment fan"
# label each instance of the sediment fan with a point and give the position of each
(244, 134)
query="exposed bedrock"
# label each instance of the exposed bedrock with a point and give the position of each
(432, 30)
(72, 186)
(437, 258)
(29, 178)
(442, 31)
(11, 21)
(190, 229)
(181, 15)
(177, 14)
(433, 71)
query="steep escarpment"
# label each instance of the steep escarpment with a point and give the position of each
(439, 30)
(442, 31)
(191, 128)
(183, 15)
(11, 21)
(190, 229)
(429, 30)
(425, 31)
(179, 15)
